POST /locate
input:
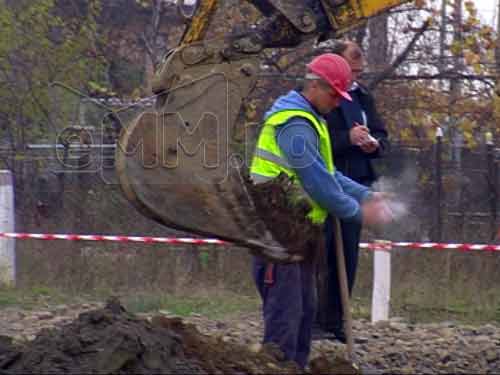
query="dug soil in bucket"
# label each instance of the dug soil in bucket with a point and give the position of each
(282, 207)
(111, 340)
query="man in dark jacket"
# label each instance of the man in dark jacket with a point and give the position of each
(352, 124)
(358, 135)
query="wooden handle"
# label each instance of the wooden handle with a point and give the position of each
(344, 289)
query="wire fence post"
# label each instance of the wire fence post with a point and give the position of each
(439, 185)
(492, 182)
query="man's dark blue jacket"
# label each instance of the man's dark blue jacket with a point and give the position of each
(350, 159)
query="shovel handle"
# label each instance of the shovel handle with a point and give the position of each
(344, 289)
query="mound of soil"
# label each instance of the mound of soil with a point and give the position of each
(111, 340)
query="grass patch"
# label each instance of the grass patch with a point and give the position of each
(213, 307)
(361, 308)
(456, 312)
(33, 297)
(8, 298)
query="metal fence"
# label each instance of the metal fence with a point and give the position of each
(451, 193)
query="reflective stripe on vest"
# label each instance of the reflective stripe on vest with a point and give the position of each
(268, 160)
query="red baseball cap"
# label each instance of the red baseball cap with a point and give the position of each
(334, 70)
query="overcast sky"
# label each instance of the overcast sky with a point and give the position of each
(487, 10)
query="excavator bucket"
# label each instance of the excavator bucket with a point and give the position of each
(182, 164)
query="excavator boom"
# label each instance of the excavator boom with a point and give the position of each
(199, 21)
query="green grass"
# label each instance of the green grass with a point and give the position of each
(216, 304)
(34, 297)
(456, 311)
(8, 299)
(361, 308)
(213, 307)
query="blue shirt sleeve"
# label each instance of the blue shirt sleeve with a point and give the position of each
(352, 188)
(336, 193)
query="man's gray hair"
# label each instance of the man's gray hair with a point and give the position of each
(312, 76)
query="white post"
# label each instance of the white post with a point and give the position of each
(7, 245)
(381, 294)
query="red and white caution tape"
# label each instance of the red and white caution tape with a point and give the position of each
(93, 237)
(378, 245)
(430, 245)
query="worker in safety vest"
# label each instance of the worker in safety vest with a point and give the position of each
(295, 140)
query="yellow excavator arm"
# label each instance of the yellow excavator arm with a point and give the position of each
(182, 164)
(199, 21)
(342, 15)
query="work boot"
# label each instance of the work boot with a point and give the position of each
(332, 334)
(319, 333)
(340, 334)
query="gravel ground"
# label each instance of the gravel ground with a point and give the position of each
(395, 346)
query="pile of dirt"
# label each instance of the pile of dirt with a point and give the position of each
(112, 340)
(283, 207)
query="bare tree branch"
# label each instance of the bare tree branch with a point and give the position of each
(150, 36)
(447, 75)
(390, 70)
(304, 57)
(149, 48)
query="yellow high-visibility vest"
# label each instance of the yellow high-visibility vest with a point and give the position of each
(269, 162)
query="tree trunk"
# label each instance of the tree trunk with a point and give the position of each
(378, 44)
(149, 73)
(442, 37)
(456, 85)
(152, 45)
(359, 35)
(497, 51)
(455, 134)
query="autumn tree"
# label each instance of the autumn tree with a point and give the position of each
(496, 96)
(40, 46)
(447, 72)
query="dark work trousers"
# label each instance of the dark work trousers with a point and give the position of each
(351, 232)
(288, 305)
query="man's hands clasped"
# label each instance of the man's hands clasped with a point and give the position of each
(359, 135)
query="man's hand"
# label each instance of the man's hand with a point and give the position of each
(371, 145)
(358, 134)
(376, 211)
